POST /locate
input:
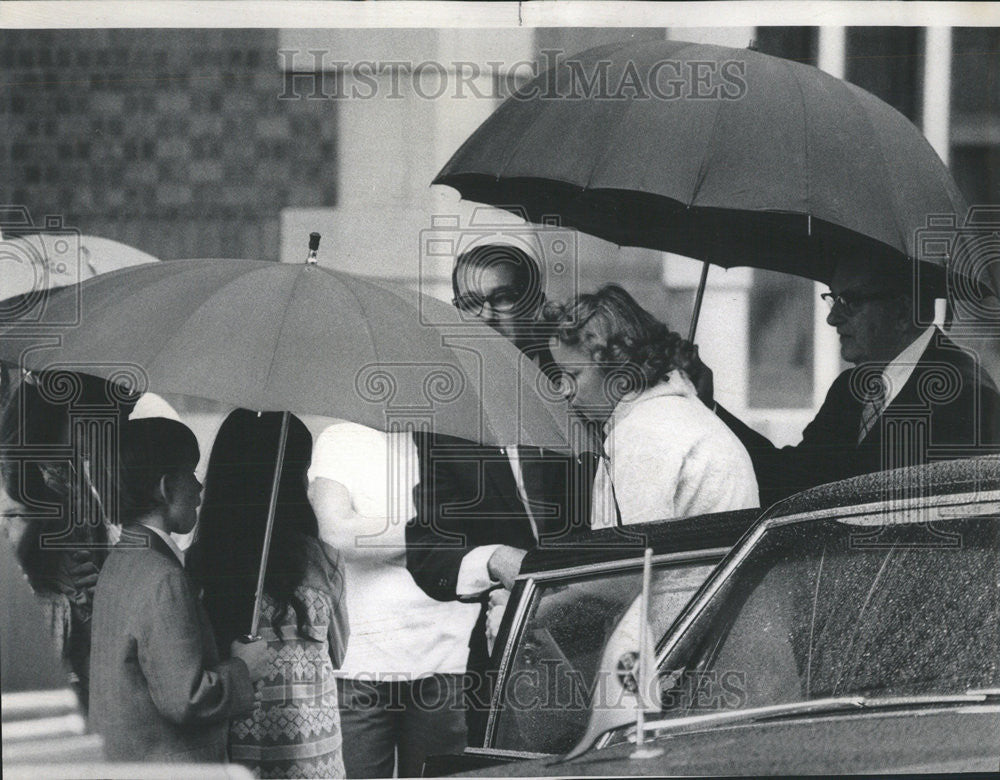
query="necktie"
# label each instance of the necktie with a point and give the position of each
(871, 410)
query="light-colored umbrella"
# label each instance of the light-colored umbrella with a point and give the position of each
(33, 264)
(304, 338)
(40, 261)
(280, 337)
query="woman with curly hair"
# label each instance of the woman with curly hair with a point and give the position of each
(666, 455)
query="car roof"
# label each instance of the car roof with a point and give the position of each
(702, 532)
(724, 529)
(949, 477)
(963, 479)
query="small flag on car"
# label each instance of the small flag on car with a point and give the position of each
(627, 684)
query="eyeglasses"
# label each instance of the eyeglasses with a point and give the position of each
(504, 300)
(849, 301)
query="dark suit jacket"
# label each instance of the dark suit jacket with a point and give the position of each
(158, 690)
(467, 498)
(948, 408)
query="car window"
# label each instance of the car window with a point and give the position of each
(821, 609)
(545, 701)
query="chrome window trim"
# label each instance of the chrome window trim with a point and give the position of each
(720, 721)
(626, 563)
(513, 639)
(526, 755)
(531, 588)
(977, 503)
(971, 504)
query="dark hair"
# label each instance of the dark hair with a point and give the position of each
(29, 421)
(226, 554)
(150, 449)
(527, 272)
(36, 413)
(620, 336)
(37, 418)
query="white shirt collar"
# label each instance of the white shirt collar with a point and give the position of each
(178, 553)
(897, 373)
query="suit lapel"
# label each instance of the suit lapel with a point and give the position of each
(940, 350)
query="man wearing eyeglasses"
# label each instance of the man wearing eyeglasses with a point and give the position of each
(912, 397)
(480, 509)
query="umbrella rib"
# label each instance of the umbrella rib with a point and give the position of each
(621, 121)
(885, 174)
(806, 151)
(169, 342)
(502, 170)
(703, 168)
(361, 305)
(281, 328)
(515, 146)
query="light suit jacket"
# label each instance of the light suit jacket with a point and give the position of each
(158, 689)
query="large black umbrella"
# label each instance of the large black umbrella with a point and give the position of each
(721, 154)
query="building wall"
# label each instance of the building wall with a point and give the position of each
(170, 140)
(193, 143)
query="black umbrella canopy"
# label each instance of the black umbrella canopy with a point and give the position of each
(721, 154)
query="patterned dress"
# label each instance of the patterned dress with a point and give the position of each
(294, 729)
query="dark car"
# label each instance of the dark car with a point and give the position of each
(567, 601)
(855, 629)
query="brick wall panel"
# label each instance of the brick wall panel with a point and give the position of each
(171, 140)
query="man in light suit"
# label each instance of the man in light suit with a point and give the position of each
(913, 395)
(158, 689)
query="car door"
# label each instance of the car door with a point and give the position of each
(553, 637)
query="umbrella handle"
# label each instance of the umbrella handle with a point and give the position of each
(697, 300)
(271, 508)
